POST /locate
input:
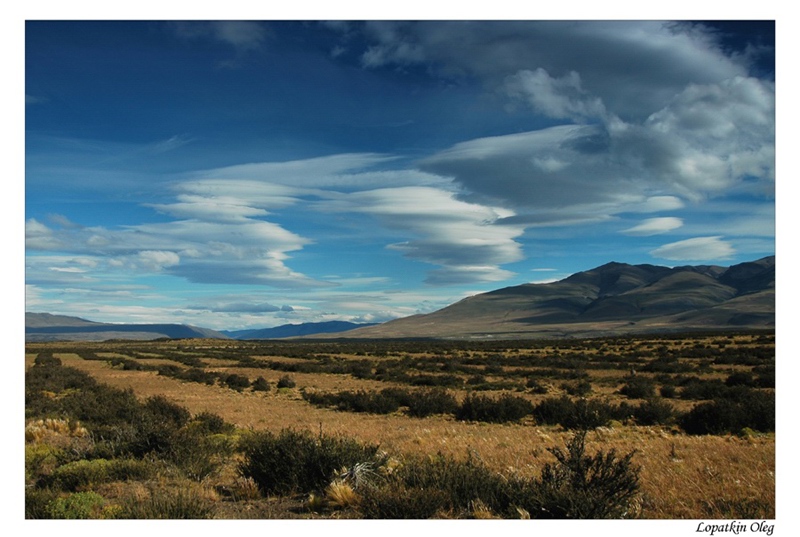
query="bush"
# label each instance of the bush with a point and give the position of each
(80, 505)
(503, 409)
(260, 385)
(752, 409)
(424, 487)
(553, 410)
(433, 401)
(581, 486)
(84, 474)
(638, 388)
(654, 412)
(237, 382)
(286, 382)
(299, 462)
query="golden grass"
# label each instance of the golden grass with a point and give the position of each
(682, 476)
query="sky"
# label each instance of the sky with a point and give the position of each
(238, 174)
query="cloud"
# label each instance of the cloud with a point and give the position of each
(463, 238)
(555, 97)
(665, 57)
(654, 226)
(696, 249)
(242, 35)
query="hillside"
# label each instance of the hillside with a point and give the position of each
(47, 327)
(612, 299)
(295, 330)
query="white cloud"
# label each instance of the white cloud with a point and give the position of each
(464, 238)
(696, 249)
(655, 226)
(555, 97)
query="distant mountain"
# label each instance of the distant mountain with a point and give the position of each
(615, 298)
(47, 327)
(295, 330)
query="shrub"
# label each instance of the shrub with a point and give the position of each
(433, 401)
(553, 410)
(297, 461)
(654, 412)
(84, 474)
(503, 409)
(260, 385)
(752, 409)
(237, 382)
(589, 414)
(638, 388)
(582, 486)
(286, 382)
(80, 505)
(425, 487)
(668, 390)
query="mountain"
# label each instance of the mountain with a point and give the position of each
(47, 327)
(295, 330)
(615, 298)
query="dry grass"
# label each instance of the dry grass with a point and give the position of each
(682, 476)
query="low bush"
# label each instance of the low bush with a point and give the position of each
(298, 461)
(260, 385)
(433, 401)
(286, 382)
(503, 409)
(80, 505)
(638, 388)
(753, 409)
(581, 486)
(236, 382)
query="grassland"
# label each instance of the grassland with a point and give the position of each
(728, 474)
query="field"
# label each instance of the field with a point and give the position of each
(695, 412)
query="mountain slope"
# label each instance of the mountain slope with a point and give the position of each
(295, 330)
(613, 298)
(47, 327)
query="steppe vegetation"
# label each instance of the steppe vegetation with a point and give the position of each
(670, 426)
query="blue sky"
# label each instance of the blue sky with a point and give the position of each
(239, 174)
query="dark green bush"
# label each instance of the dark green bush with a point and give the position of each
(553, 410)
(260, 385)
(503, 409)
(286, 382)
(581, 486)
(432, 401)
(654, 411)
(638, 388)
(298, 461)
(753, 409)
(236, 382)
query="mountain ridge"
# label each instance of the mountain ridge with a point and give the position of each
(614, 298)
(610, 299)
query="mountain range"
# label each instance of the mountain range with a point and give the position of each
(615, 298)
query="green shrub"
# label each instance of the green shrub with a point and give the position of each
(80, 505)
(397, 501)
(654, 411)
(38, 501)
(84, 474)
(297, 461)
(286, 382)
(260, 385)
(505, 408)
(752, 409)
(553, 410)
(236, 382)
(432, 401)
(581, 486)
(638, 388)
